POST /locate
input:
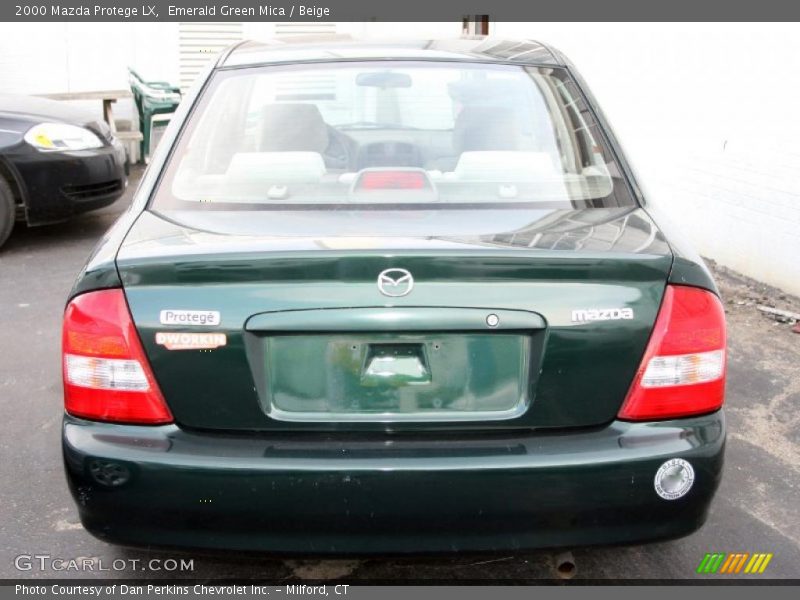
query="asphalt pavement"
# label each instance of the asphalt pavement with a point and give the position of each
(756, 508)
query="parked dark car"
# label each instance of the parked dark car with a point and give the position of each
(56, 161)
(386, 298)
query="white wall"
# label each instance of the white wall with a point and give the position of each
(706, 112)
(38, 58)
(43, 58)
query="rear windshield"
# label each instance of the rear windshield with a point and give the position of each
(391, 136)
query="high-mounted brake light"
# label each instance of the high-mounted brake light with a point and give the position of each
(392, 180)
(106, 373)
(683, 369)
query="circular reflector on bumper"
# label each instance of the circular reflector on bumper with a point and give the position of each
(674, 479)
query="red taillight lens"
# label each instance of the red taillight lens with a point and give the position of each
(683, 369)
(106, 374)
(392, 180)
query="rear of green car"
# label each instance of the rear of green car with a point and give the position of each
(378, 306)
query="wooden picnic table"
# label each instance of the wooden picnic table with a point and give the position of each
(109, 97)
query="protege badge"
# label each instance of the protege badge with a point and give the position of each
(601, 314)
(207, 318)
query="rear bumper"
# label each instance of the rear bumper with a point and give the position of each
(329, 494)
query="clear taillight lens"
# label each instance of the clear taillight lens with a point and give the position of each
(684, 369)
(105, 373)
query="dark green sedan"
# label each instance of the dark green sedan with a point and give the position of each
(392, 298)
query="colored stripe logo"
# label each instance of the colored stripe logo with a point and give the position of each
(734, 563)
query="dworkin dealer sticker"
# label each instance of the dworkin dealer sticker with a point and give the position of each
(176, 340)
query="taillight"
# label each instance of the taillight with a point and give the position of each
(106, 374)
(683, 369)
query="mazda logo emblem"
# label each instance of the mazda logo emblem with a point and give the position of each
(395, 282)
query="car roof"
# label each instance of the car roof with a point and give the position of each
(344, 48)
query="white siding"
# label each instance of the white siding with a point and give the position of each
(198, 43)
(310, 28)
(202, 42)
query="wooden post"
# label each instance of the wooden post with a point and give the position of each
(108, 114)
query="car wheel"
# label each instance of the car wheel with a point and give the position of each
(7, 212)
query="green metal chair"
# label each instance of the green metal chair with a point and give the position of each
(152, 98)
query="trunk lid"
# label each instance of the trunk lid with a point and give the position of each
(541, 326)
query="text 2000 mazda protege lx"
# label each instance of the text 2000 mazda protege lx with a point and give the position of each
(392, 298)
